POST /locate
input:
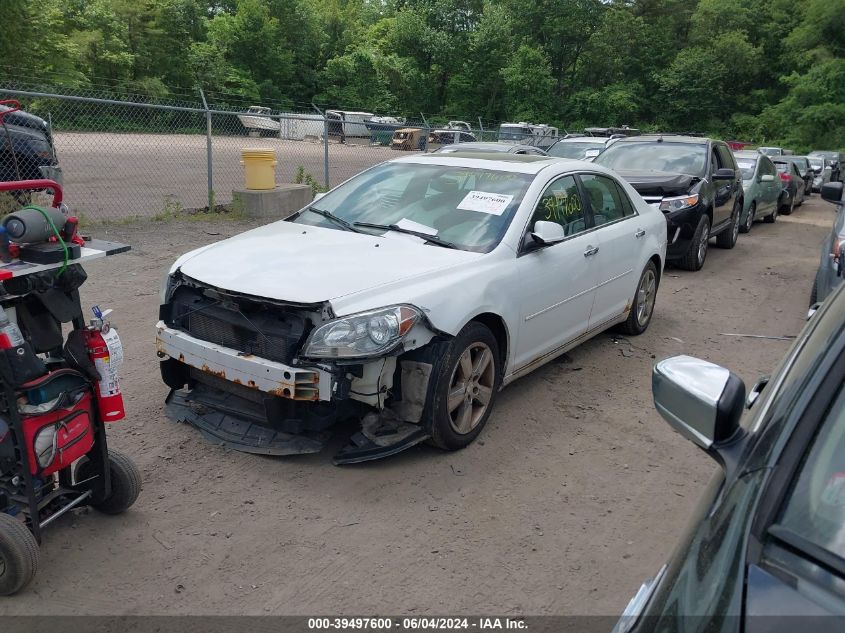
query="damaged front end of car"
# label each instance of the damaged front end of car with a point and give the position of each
(270, 377)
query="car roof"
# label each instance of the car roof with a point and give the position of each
(665, 138)
(491, 147)
(595, 140)
(497, 161)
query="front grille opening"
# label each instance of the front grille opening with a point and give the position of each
(267, 331)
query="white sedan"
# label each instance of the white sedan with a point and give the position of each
(405, 297)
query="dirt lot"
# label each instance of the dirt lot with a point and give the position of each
(114, 176)
(575, 493)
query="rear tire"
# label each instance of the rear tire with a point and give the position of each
(642, 307)
(694, 258)
(787, 210)
(814, 293)
(773, 216)
(18, 555)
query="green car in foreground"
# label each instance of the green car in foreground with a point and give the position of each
(762, 187)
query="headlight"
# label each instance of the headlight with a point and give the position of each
(360, 335)
(668, 205)
(44, 445)
(165, 289)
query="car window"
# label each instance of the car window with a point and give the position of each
(725, 156)
(767, 167)
(605, 199)
(814, 508)
(714, 161)
(747, 165)
(561, 203)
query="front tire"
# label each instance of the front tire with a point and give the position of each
(18, 555)
(466, 382)
(773, 216)
(749, 219)
(697, 251)
(642, 306)
(727, 238)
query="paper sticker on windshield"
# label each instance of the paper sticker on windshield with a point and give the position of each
(492, 203)
(834, 492)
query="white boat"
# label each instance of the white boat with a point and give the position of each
(348, 123)
(259, 118)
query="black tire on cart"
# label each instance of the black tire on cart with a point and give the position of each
(125, 483)
(18, 555)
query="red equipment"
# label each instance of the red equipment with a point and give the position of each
(105, 351)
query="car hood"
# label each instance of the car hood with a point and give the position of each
(301, 263)
(662, 183)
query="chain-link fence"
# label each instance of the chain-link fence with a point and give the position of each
(120, 159)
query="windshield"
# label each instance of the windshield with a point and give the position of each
(513, 133)
(573, 150)
(470, 208)
(746, 165)
(681, 158)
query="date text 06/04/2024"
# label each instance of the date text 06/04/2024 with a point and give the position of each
(417, 623)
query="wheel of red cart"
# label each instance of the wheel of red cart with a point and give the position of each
(125, 483)
(18, 555)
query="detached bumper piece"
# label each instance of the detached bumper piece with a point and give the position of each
(381, 435)
(226, 419)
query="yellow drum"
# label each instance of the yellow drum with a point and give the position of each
(259, 167)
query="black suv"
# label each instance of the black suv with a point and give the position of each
(26, 148)
(694, 181)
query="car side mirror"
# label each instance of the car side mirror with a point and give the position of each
(725, 173)
(832, 192)
(547, 233)
(700, 400)
(767, 178)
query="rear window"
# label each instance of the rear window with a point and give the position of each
(573, 150)
(782, 167)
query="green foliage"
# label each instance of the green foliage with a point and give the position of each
(760, 70)
(304, 178)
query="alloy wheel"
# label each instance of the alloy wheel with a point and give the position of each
(749, 219)
(735, 229)
(702, 243)
(646, 294)
(471, 387)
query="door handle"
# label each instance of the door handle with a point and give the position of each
(639, 233)
(591, 250)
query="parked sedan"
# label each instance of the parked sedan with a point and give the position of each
(822, 171)
(507, 148)
(407, 296)
(831, 265)
(804, 168)
(793, 185)
(765, 550)
(761, 186)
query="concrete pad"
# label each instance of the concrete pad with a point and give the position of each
(276, 203)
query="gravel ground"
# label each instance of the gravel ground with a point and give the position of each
(115, 176)
(575, 493)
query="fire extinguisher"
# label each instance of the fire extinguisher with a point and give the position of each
(106, 352)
